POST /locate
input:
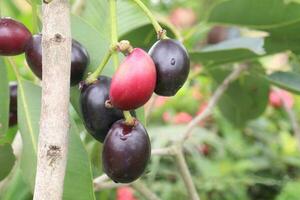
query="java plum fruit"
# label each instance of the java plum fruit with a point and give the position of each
(79, 59)
(13, 37)
(13, 104)
(97, 117)
(133, 83)
(126, 151)
(172, 66)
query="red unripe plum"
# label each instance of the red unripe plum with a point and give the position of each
(134, 81)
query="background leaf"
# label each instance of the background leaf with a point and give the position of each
(245, 98)
(229, 51)
(78, 181)
(4, 99)
(7, 160)
(286, 80)
(16, 188)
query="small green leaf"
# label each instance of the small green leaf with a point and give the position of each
(7, 160)
(286, 80)
(229, 51)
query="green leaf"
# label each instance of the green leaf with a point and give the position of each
(245, 99)
(78, 181)
(286, 80)
(255, 13)
(145, 36)
(229, 51)
(4, 102)
(290, 191)
(279, 18)
(16, 188)
(7, 160)
(93, 40)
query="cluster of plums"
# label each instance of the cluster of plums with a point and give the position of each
(16, 39)
(163, 70)
(127, 148)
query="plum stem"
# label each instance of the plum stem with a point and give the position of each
(161, 33)
(93, 77)
(114, 29)
(129, 120)
(125, 47)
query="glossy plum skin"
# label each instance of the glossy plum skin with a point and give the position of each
(97, 118)
(80, 58)
(13, 37)
(134, 82)
(13, 104)
(126, 152)
(172, 66)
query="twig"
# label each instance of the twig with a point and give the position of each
(107, 185)
(292, 117)
(163, 151)
(101, 179)
(213, 101)
(54, 121)
(186, 175)
(140, 187)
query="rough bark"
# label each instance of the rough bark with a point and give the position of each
(54, 121)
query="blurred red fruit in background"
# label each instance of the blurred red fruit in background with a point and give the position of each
(182, 118)
(167, 117)
(183, 17)
(160, 101)
(125, 193)
(277, 97)
(204, 149)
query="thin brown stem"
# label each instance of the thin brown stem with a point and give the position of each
(213, 101)
(186, 175)
(292, 117)
(140, 187)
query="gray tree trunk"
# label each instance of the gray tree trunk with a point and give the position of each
(54, 121)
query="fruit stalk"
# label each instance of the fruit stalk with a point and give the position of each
(159, 30)
(93, 77)
(128, 118)
(114, 29)
(54, 121)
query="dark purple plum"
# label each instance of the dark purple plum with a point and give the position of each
(97, 117)
(126, 151)
(13, 37)
(80, 58)
(13, 104)
(172, 66)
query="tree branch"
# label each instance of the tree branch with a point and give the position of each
(140, 187)
(292, 117)
(54, 121)
(213, 101)
(186, 175)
